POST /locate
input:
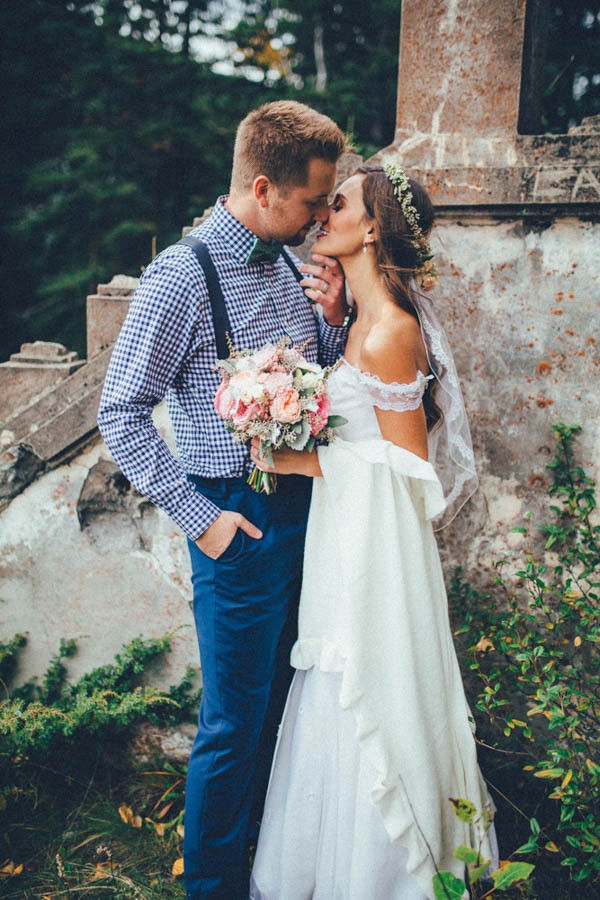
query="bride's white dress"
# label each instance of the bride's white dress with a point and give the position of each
(377, 734)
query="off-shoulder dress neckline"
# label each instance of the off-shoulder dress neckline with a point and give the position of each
(360, 372)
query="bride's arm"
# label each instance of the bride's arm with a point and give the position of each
(287, 462)
(396, 355)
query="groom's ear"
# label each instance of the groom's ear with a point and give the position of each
(261, 188)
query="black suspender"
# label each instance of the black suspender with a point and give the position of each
(221, 321)
(297, 275)
(215, 295)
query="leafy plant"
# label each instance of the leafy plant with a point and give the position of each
(533, 644)
(446, 885)
(78, 816)
(107, 700)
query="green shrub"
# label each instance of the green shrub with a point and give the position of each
(533, 644)
(35, 719)
(78, 815)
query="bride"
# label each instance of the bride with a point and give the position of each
(377, 735)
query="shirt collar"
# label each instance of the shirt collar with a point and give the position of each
(238, 238)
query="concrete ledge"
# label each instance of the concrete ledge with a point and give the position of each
(35, 370)
(547, 169)
(52, 430)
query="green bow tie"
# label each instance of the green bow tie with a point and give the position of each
(261, 252)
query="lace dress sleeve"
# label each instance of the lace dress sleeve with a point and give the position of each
(392, 396)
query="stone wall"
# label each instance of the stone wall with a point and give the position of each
(84, 556)
(521, 307)
(518, 221)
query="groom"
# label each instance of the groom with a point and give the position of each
(230, 277)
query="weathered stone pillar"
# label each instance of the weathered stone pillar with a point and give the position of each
(458, 112)
(516, 247)
(106, 311)
(460, 69)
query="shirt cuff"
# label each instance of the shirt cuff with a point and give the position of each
(196, 515)
(332, 339)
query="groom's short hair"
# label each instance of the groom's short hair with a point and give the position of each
(279, 139)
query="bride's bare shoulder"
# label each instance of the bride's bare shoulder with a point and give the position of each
(392, 348)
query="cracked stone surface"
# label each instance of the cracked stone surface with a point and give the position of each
(82, 555)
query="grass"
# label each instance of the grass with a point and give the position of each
(94, 827)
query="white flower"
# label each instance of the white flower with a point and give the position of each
(243, 363)
(310, 380)
(311, 367)
(245, 386)
(266, 357)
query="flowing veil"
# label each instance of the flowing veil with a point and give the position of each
(449, 442)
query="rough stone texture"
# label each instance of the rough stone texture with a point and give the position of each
(53, 428)
(37, 368)
(105, 494)
(458, 110)
(549, 169)
(43, 353)
(106, 311)
(151, 742)
(460, 68)
(521, 307)
(120, 572)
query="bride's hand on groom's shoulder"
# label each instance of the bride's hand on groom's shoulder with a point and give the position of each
(286, 461)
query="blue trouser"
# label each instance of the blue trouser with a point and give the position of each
(245, 608)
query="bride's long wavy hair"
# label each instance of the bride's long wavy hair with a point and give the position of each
(395, 251)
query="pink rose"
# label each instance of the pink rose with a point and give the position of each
(285, 407)
(246, 412)
(318, 420)
(224, 402)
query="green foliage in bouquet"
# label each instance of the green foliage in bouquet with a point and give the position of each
(533, 644)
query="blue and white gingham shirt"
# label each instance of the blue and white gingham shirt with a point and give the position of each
(167, 347)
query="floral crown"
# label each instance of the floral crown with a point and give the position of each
(426, 274)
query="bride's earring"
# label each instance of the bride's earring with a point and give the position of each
(364, 246)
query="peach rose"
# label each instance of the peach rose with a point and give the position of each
(224, 402)
(285, 407)
(318, 420)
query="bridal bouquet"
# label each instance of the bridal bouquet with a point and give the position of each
(277, 396)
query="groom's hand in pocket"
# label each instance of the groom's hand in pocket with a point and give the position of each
(218, 536)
